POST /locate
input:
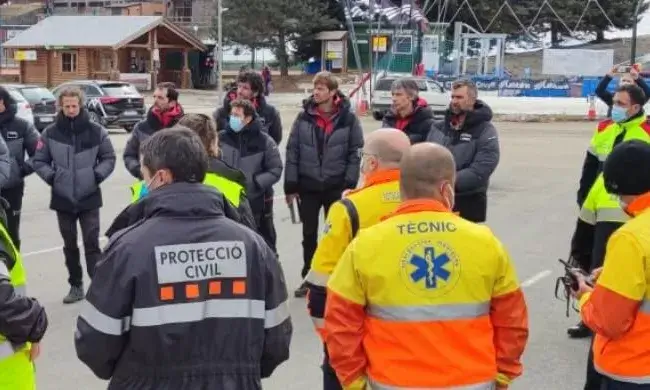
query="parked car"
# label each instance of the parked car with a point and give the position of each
(110, 103)
(430, 90)
(23, 108)
(41, 102)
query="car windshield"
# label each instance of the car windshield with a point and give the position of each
(119, 89)
(17, 96)
(37, 94)
(385, 84)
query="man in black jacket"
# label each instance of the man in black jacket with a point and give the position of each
(165, 113)
(245, 146)
(74, 156)
(250, 86)
(322, 159)
(21, 138)
(469, 134)
(410, 113)
(175, 277)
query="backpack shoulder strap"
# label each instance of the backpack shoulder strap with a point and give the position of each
(352, 214)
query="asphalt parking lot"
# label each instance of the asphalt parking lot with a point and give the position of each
(531, 207)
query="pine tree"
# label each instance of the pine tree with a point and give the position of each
(272, 24)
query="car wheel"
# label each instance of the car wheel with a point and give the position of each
(129, 128)
(377, 115)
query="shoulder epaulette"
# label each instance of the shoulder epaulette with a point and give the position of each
(602, 125)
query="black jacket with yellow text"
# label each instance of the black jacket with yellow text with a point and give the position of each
(185, 299)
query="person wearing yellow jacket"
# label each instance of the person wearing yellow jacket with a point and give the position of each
(363, 207)
(412, 305)
(617, 309)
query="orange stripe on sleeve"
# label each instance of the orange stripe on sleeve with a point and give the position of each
(607, 313)
(344, 324)
(509, 317)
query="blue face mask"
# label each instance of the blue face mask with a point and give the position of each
(235, 123)
(619, 114)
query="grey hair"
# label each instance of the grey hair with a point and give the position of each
(408, 85)
(472, 90)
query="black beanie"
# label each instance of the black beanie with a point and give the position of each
(627, 169)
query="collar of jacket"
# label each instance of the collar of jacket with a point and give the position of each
(635, 120)
(155, 119)
(221, 168)
(480, 114)
(379, 176)
(81, 122)
(639, 205)
(417, 206)
(341, 102)
(182, 200)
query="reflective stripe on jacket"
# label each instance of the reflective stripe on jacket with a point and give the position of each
(16, 368)
(410, 304)
(618, 309)
(601, 206)
(378, 197)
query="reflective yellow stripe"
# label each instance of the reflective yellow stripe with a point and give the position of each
(215, 308)
(317, 278)
(588, 216)
(103, 323)
(611, 215)
(374, 385)
(230, 189)
(429, 313)
(639, 380)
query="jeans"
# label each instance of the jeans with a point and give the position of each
(89, 221)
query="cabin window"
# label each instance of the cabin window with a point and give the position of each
(69, 62)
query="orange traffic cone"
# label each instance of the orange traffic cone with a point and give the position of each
(591, 112)
(362, 107)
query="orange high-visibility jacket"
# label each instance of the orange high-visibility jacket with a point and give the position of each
(425, 299)
(618, 309)
(378, 197)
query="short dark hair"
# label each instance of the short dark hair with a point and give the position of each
(472, 89)
(6, 97)
(179, 150)
(253, 79)
(637, 96)
(172, 93)
(247, 106)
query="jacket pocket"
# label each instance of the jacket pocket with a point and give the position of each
(85, 183)
(63, 184)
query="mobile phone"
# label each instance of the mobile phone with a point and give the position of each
(624, 69)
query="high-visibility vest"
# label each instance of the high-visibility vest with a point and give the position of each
(605, 138)
(230, 189)
(16, 368)
(601, 206)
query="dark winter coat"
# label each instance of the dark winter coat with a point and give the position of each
(268, 116)
(475, 147)
(323, 152)
(142, 326)
(21, 138)
(253, 152)
(417, 125)
(144, 129)
(74, 157)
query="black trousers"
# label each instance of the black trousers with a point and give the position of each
(265, 224)
(14, 196)
(89, 221)
(611, 384)
(309, 208)
(330, 380)
(594, 380)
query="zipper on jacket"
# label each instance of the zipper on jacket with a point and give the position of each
(72, 163)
